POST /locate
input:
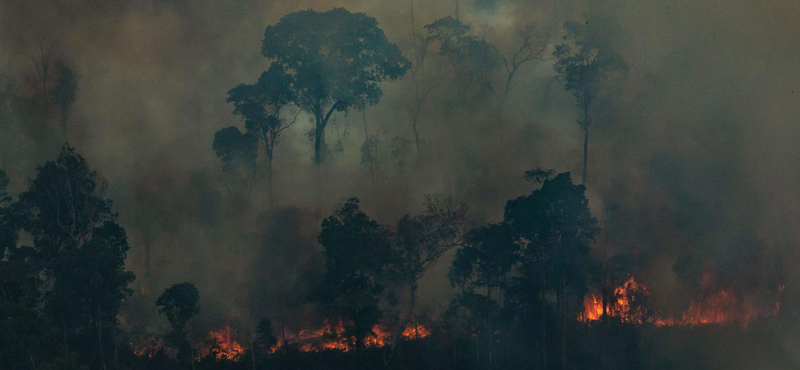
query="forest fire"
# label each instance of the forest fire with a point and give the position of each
(628, 303)
(332, 337)
(148, 347)
(222, 346)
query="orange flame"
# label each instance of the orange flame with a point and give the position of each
(222, 346)
(332, 337)
(148, 346)
(626, 304)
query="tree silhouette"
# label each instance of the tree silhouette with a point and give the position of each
(357, 250)
(584, 69)
(532, 43)
(483, 270)
(474, 59)
(555, 229)
(424, 80)
(79, 247)
(336, 59)
(420, 243)
(237, 151)
(260, 106)
(180, 303)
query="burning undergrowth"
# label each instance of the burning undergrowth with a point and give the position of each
(630, 302)
(229, 345)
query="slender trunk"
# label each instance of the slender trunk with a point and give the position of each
(253, 354)
(605, 324)
(100, 341)
(502, 104)
(414, 127)
(585, 140)
(372, 156)
(544, 323)
(147, 261)
(359, 346)
(563, 324)
(64, 326)
(401, 326)
(508, 82)
(319, 141)
(116, 347)
(269, 182)
(33, 364)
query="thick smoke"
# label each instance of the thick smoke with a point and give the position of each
(692, 156)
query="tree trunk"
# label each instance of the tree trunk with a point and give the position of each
(253, 354)
(414, 127)
(563, 325)
(372, 156)
(319, 139)
(412, 298)
(116, 347)
(544, 323)
(359, 346)
(269, 182)
(100, 340)
(585, 140)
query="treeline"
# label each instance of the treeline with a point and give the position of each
(328, 63)
(520, 281)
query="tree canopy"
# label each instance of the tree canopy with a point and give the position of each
(335, 59)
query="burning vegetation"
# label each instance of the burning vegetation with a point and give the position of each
(629, 303)
(332, 336)
(221, 345)
(248, 211)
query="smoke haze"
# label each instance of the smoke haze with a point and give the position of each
(693, 150)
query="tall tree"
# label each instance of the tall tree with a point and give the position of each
(357, 250)
(473, 58)
(555, 229)
(420, 243)
(260, 106)
(584, 66)
(532, 43)
(180, 303)
(80, 247)
(483, 270)
(65, 92)
(423, 79)
(336, 60)
(237, 151)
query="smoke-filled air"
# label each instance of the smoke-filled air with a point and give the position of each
(407, 184)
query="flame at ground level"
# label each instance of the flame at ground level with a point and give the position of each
(628, 303)
(332, 337)
(222, 346)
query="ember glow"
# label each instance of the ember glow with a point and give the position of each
(222, 346)
(332, 337)
(628, 303)
(148, 346)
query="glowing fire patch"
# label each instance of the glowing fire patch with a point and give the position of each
(148, 346)
(332, 337)
(627, 303)
(222, 346)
